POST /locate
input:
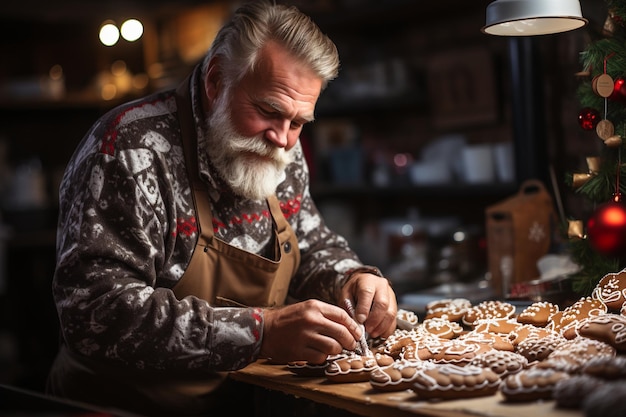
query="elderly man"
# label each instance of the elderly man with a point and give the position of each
(188, 243)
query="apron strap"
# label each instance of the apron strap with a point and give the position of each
(199, 193)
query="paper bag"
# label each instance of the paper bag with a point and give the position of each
(519, 232)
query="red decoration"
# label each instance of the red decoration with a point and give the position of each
(619, 90)
(588, 118)
(606, 229)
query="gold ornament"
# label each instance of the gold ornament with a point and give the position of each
(583, 74)
(609, 24)
(593, 166)
(614, 141)
(578, 180)
(575, 229)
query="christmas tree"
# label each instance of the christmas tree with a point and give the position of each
(598, 244)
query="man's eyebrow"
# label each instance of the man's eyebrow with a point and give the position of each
(305, 118)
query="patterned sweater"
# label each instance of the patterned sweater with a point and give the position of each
(127, 231)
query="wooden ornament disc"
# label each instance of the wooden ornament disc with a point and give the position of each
(605, 129)
(603, 85)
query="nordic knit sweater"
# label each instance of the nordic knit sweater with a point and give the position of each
(127, 231)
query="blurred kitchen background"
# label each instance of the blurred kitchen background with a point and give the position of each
(430, 122)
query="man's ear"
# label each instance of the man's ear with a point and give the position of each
(213, 81)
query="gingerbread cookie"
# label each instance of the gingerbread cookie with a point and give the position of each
(501, 362)
(355, 368)
(442, 328)
(572, 355)
(538, 349)
(452, 309)
(609, 328)
(424, 348)
(503, 326)
(529, 331)
(304, 368)
(568, 319)
(496, 341)
(395, 343)
(492, 309)
(458, 352)
(571, 392)
(538, 313)
(611, 290)
(406, 320)
(606, 367)
(531, 384)
(398, 376)
(606, 400)
(447, 381)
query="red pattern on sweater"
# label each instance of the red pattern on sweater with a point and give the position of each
(186, 226)
(289, 208)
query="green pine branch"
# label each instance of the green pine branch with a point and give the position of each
(604, 55)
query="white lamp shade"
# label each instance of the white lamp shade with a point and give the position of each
(533, 17)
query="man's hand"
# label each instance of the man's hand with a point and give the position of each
(309, 330)
(375, 303)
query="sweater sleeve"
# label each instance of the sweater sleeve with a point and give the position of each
(119, 251)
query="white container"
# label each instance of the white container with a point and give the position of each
(504, 161)
(430, 172)
(478, 164)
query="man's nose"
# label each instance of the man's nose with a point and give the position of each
(278, 133)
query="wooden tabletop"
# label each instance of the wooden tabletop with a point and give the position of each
(360, 398)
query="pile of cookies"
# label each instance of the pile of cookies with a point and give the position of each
(575, 355)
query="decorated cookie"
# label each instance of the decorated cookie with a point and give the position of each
(492, 309)
(611, 290)
(424, 348)
(606, 367)
(355, 368)
(406, 320)
(447, 381)
(452, 309)
(571, 392)
(456, 351)
(304, 368)
(503, 326)
(538, 313)
(609, 328)
(395, 343)
(606, 400)
(501, 362)
(569, 318)
(496, 341)
(531, 384)
(442, 328)
(572, 355)
(397, 376)
(529, 331)
(538, 349)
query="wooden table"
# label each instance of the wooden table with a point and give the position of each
(360, 398)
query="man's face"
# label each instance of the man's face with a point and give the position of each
(253, 127)
(251, 166)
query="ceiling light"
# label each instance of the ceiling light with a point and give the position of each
(533, 17)
(132, 29)
(109, 33)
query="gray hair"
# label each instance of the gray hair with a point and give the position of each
(256, 23)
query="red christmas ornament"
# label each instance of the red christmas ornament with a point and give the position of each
(606, 229)
(619, 90)
(588, 118)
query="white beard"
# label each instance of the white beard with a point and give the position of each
(251, 166)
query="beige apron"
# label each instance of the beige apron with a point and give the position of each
(217, 272)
